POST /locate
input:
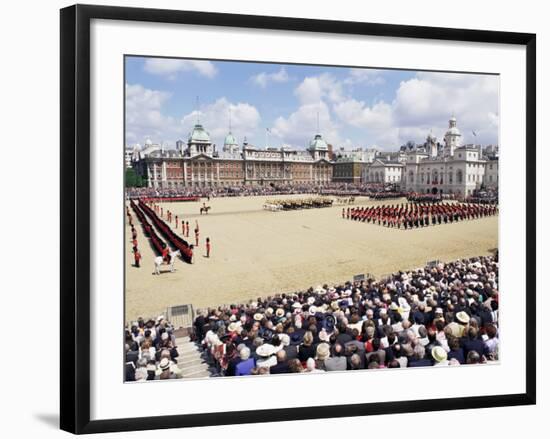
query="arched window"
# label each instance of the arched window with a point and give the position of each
(459, 176)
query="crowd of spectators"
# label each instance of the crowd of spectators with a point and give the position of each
(338, 189)
(439, 315)
(150, 350)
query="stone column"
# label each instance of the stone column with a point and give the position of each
(184, 173)
(164, 174)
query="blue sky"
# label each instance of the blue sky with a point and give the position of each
(355, 107)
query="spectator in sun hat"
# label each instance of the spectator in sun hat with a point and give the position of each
(322, 353)
(266, 357)
(163, 371)
(439, 356)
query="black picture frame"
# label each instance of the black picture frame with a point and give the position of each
(75, 216)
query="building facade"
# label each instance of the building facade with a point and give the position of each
(431, 167)
(198, 164)
(384, 171)
(450, 168)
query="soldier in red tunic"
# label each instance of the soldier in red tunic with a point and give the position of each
(165, 253)
(137, 258)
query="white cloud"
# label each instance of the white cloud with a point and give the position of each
(144, 116)
(245, 120)
(169, 67)
(369, 77)
(426, 102)
(313, 89)
(263, 79)
(300, 126)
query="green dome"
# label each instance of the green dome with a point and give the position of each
(318, 143)
(199, 135)
(230, 140)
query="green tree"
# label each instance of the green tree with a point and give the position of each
(132, 179)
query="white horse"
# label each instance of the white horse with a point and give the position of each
(159, 261)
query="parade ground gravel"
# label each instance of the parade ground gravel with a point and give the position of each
(256, 253)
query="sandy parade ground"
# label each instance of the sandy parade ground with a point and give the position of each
(258, 253)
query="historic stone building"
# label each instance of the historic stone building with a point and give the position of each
(432, 167)
(198, 164)
(450, 168)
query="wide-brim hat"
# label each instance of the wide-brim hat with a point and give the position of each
(463, 317)
(439, 354)
(164, 364)
(280, 312)
(312, 310)
(233, 326)
(258, 316)
(296, 305)
(265, 350)
(296, 339)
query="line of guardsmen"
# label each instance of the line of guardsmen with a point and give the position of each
(415, 215)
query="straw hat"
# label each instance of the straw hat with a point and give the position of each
(463, 317)
(258, 316)
(439, 354)
(280, 312)
(164, 364)
(265, 350)
(233, 326)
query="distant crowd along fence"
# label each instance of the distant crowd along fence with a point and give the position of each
(167, 199)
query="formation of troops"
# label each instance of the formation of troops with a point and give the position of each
(416, 215)
(301, 203)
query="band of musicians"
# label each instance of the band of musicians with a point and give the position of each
(416, 215)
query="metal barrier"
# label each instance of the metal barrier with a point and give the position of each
(181, 316)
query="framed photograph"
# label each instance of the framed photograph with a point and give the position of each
(274, 218)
